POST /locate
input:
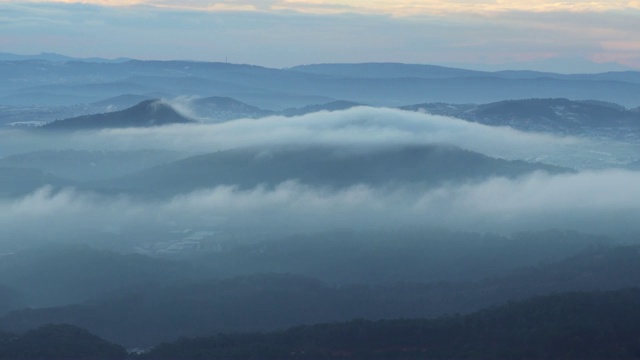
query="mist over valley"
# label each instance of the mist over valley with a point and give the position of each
(145, 201)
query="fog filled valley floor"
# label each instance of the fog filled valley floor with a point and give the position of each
(187, 210)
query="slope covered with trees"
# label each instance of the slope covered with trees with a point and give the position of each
(567, 326)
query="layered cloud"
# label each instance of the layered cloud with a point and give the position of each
(364, 127)
(603, 201)
(606, 202)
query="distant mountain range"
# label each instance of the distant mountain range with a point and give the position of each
(45, 56)
(38, 82)
(557, 116)
(219, 109)
(386, 71)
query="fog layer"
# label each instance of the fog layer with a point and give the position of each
(362, 126)
(601, 201)
(595, 201)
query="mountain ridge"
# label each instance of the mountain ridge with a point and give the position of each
(147, 113)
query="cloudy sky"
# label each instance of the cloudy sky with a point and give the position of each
(543, 34)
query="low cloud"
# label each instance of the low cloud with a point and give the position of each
(605, 202)
(600, 201)
(361, 127)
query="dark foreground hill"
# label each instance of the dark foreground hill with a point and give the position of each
(63, 342)
(145, 114)
(587, 325)
(567, 326)
(151, 314)
(579, 325)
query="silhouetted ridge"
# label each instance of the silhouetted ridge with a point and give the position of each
(146, 114)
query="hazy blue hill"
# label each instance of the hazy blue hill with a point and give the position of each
(44, 99)
(145, 114)
(58, 275)
(81, 165)
(189, 85)
(556, 115)
(598, 268)
(567, 326)
(122, 101)
(54, 57)
(224, 109)
(400, 70)
(386, 70)
(331, 106)
(323, 166)
(65, 94)
(402, 91)
(561, 112)
(101, 89)
(42, 56)
(259, 86)
(188, 68)
(278, 101)
(389, 256)
(622, 76)
(10, 299)
(20, 181)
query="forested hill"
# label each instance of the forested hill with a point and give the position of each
(599, 325)
(145, 114)
(58, 342)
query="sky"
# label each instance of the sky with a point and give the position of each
(563, 36)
